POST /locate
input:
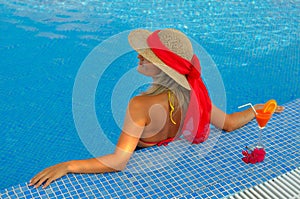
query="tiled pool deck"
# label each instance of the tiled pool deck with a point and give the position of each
(213, 169)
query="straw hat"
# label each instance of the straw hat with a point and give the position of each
(174, 40)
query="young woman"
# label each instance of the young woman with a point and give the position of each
(177, 103)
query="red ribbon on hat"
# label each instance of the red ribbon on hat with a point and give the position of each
(197, 118)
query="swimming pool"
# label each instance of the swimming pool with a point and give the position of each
(255, 46)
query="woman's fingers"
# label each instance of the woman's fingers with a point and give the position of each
(279, 109)
(48, 175)
(48, 182)
(45, 179)
(37, 178)
(41, 181)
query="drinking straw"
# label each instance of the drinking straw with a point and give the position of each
(249, 104)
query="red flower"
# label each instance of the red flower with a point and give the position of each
(245, 153)
(257, 155)
(260, 154)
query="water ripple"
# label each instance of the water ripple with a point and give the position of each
(246, 25)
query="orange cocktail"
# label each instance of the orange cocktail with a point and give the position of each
(262, 117)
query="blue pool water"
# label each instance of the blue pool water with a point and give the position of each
(254, 44)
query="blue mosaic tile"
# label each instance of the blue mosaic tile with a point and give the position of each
(183, 172)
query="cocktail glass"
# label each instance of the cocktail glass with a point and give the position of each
(262, 119)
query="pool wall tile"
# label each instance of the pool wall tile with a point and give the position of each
(213, 169)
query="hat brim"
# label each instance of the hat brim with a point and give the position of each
(138, 41)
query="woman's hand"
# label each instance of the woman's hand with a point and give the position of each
(49, 174)
(231, 122)
(278, 109)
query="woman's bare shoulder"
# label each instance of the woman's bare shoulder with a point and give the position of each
(143, 102)
(144, 99)
(138, 103)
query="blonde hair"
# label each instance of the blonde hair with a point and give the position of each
(163, 83)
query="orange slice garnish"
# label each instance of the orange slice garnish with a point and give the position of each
(270, 106)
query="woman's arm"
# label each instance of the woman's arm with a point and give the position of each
(134, 123)
(231, 122)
